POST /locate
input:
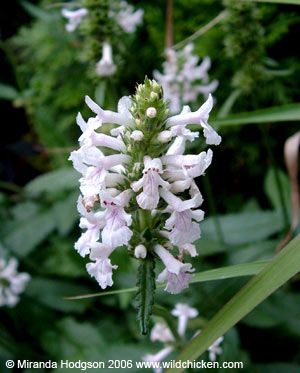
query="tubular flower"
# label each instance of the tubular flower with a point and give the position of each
(137, 196)
(183, 79)
(12, 283)
(74, 17)
(106, 66)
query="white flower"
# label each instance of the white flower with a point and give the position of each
(161, 355)
(106, 66)
(140, 252)
(183, 312)
(178, 146)
(93, 180)
(183, 229)
(175, 272)
(101, 270)
(122, 117)
(215, 350)
(88, 129)
(127, 18)
(183, 79)
(116, 232)
(198, 117)
(191, 165)
(137, 135)
(12, 283)
(91, 221)
(164, 136)
(150, 182)
(91, 138)
(160, 332)
(188, 248)
(74, 17)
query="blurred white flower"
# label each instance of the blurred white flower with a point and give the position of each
(127, 18)
(74, 17)
(183, 79)
(12, 283)
(106, 66)
(161, 332)
(215, 349)
(184, 312)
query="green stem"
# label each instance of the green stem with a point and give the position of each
(285, 216)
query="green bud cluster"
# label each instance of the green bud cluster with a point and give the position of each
(148, 95)
(244, 43)
(97, 27)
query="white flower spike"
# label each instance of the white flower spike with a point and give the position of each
(139, 193)
(183, 79)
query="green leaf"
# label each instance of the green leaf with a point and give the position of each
(36, 11)
(58, 258)
(284, 266)
(286, 113)
(63, 179)
(8, 92)
(24, 236)
(271, 189)
(65, 213)
(270, 313)
(238, 229)
(145, 292)
(73, 340)
(51, 292)
(24, 210)
(261, 250)
(245, 269)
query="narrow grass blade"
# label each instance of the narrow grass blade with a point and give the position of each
(286, 113)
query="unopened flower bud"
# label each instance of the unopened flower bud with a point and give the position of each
(164, 136)
(151, 112)
(140, 252)
(153, 95)
(137, 135)
(88, 202)
(138, 122)
(136, 167)
(155, 85)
